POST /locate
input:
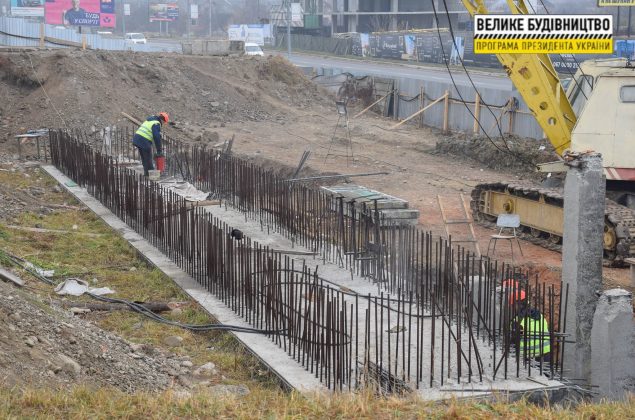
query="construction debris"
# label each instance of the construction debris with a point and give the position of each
(10, 277)
(77, 287)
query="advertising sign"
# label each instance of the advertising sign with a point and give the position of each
(543, 34)
(80, 12)
(255, 33)
(126, 9)
(458, 50)
(605, 3)
(164, 12)
(194, 11)
(27, 7)
(364, 39)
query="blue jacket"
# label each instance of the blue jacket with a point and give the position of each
(143, 143)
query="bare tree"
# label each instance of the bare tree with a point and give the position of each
(379, 23)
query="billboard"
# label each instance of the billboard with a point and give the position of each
(255, 33)
(605, 3)
(27, 7)
(164, 12)
(80, 12)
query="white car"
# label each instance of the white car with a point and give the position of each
(253, 49)
(136, 38)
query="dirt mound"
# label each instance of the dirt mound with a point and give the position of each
(90, 89)
(16, 75)
(43, 345)
(520, 155)
(277, 68)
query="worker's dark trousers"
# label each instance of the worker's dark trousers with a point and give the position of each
(146, 159)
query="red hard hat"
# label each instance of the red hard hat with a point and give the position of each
(164, 116)
(516, 293)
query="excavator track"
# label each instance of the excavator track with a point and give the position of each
(619, 221)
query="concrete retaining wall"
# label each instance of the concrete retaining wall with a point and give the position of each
(213, 47)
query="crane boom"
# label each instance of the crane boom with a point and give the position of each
(538, 83)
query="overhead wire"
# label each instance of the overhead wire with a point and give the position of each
(467, 73)
(447, 65)
(569, 71)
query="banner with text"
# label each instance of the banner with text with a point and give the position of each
(80, 12)
(164, 12)
(543, 34)
(254, 33)
(27, 8)
(607, 3)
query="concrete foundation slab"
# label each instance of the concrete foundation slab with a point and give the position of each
(393, 341)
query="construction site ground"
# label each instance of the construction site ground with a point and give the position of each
(274, 114)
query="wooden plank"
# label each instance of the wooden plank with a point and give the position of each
(468, 214)
(131, 118)
(372, 105)
(446, 111)
(63, 42)
(422, 104)
(204, 203)
(417, 113)
(395, 102)
(477, 113)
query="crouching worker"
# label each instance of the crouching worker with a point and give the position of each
(530, 329)
(147, 134)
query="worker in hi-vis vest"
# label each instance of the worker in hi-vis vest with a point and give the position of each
(147, 134)
(530, 329)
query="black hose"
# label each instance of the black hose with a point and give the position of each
(139, 308)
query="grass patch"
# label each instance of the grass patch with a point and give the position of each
(109, 260)
(105, 403)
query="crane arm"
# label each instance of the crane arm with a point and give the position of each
(538, 83)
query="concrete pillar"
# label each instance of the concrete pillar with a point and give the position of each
(613, 345)
(394, 7)
(584, 195)
(353, 6)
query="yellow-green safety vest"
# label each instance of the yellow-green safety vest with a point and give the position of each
(535, 336)
(145, 130)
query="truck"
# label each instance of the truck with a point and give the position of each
(596, 112)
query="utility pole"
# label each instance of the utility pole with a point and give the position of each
(289, 28)
(210, 18)
(189, 20)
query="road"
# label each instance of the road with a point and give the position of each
(375, 68)
(165, 44)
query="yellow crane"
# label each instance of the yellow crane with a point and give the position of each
(596, 113)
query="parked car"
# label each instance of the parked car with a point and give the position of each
(253, 49)
(136, 38)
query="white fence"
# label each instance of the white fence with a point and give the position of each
(19, 32)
